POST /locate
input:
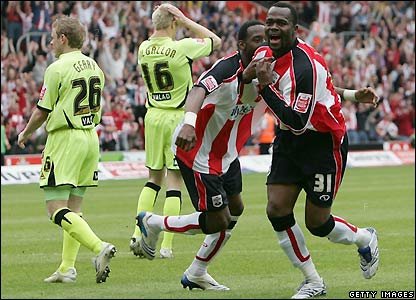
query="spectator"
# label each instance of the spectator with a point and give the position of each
(266, 133)
(380, 39)
(386, 129)
(354, 136)
(5, 145)
(41, 18)
(26, 16)
(14, 21)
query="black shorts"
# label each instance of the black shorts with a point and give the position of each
(210, 192)
(314, 161)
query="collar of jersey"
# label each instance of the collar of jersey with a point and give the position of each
(160, 37)
(69, 53)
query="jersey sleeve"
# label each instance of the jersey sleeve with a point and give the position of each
(97, 115)
(196, 48)
(219, 72)
(297, 115)
(50, 90)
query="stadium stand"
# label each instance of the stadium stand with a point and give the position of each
(365, 43)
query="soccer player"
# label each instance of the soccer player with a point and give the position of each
(166, 69)
(221, 115)
(70, 104)
(309, 153)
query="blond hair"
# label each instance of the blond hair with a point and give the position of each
(72, 29)
(162, 18)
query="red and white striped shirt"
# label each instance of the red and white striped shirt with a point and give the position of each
(302, 95)
(227, 118)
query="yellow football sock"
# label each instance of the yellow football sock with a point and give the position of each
(146, 201)
(77, 229)
(70, 248)
(172, 207)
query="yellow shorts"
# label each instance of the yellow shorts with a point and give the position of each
(159, 125)
(70, 158)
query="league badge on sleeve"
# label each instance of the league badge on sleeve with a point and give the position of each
(210, 83)
(42, 92)
(302, 102)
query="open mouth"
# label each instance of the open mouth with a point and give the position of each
(274, 38)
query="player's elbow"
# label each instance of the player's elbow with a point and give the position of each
(216, 43)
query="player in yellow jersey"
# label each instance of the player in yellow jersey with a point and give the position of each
(70, 104)
(166, 65)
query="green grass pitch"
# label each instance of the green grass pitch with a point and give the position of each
(252, 263)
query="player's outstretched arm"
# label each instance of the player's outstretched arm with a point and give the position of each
(198, 30)
(363, 95)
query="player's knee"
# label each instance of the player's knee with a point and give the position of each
(236, 206)
(153, 186)
(275, 208)
(322, 230)
(212, 222)
(282, 223)
(59, 215)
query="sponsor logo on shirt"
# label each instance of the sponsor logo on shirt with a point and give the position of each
(240, 110)
(42, 92)
(161, 96)
(210, 83)
(302, 102)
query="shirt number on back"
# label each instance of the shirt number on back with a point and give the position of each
(164, 79)
(93, 90)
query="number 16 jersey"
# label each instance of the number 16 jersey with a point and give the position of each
(167, 68)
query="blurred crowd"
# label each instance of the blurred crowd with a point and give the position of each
(365, 43)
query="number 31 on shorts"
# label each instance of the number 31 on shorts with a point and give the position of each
(323, 182)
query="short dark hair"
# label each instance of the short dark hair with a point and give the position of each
(293, 11)
(242, 33)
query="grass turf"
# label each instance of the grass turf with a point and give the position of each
(252, 263)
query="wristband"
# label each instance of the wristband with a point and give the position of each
(349, 95)
(190, 118)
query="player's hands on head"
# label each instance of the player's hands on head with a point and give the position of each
(176, 12)
(367, 95)
(186, 138)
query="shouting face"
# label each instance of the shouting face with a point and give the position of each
(280, 30)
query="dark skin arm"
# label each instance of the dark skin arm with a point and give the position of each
(186, 138)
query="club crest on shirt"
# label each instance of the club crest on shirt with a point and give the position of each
(210, 83)
(302, 102)
(42, 92)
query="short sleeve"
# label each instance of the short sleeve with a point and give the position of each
(196, 48)
(50, 90)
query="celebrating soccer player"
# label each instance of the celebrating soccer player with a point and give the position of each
(311, 150)
(221, 114)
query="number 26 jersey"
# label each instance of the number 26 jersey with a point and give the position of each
(71, 92)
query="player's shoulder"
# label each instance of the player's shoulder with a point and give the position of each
(193, 42)
(54, 67)
(263, 51)
(230, 63)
